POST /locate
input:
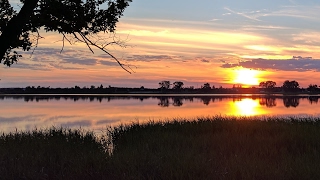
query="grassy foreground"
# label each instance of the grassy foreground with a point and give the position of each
(208, 148)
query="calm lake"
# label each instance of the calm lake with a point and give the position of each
(96, 112)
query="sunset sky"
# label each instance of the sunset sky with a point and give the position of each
(220, 42)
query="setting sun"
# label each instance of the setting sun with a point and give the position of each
(246, 77)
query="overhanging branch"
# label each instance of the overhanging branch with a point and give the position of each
(89, 43)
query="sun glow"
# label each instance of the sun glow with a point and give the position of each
(246, 77)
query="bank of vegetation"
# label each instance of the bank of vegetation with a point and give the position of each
(206, 148)
(177, 87)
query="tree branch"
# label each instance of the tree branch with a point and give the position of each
(63, 39)
(85, 40)
(37, 42)
(89, 43)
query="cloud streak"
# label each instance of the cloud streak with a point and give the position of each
(148, 58)
(253, 15)
(48, 59)
(38, 66)
(297, 63)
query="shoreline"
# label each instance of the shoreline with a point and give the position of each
(159, 94)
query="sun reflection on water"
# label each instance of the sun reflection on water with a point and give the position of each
(246, 107)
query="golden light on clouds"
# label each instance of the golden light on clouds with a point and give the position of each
(266, 56)
(192, 36)
(191, 39)
(263, 48)
(180, 38)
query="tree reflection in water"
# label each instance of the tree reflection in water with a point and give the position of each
(164, 102)
(268, 102)
(177, 101)
(291, 101)
(313, 99)
(206, 100)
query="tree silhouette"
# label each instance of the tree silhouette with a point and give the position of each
(177, 85)
(268, 84)
(313, 88)
(206, 86)
(164, 84)
(290, 85)
(75, 20)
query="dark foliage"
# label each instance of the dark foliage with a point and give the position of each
(77, 18)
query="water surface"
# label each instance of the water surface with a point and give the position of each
(96, 112)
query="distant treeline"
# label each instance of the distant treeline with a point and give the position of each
(165, 87)
(123, 90)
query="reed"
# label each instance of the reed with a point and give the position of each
(55, 153)
(203, 148)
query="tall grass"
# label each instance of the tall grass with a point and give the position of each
(54, 153)
(206, 148)
(220, 148)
